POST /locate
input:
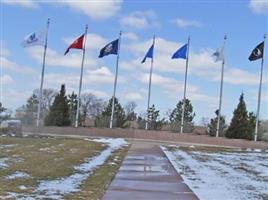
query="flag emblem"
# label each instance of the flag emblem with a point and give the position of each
(111, 48)
(257, 52)
(219, 55)
(33, 39)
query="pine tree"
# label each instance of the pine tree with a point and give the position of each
(213, 125)
(59, 111)
(176, 114)
(72, 103)
(153, 118)
(119, 115)
(240, 123)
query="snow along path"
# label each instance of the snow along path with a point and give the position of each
(222, 175)
(56, 189)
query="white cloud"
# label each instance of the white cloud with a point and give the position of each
(201, 63)
(53, 58)
(185, 23)
(22, 3)
(172, 87)
(99, 10)
(12, 66)
(130, 36)
(94, 41)
(4, 52)
(133, 96)
(259, 6)
(6, 79)
(140, 20)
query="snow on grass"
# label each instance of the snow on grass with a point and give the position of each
(222, 175)
(3, 163)
(55, 189)
(17, 175)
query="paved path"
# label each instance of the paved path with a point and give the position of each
(146, 174)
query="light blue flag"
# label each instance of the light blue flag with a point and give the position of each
(181, 52)
(149, 54)
(33, 39)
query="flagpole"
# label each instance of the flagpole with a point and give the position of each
(42, 77)
(221, 88)
(115, 80)
(81, 78)
(259, 95)
(149, 89)
(185, 83)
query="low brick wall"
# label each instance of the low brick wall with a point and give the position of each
(152, 135)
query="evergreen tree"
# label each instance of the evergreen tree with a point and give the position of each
(30, 110)
(240, 126)
(213, 125)
(72, 103)
(153, 118)
(176, 114)
(119, 115)
(59, 111)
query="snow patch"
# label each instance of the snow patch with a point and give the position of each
(3, 163)
(66, 185)
(17, 175)
(222, 175)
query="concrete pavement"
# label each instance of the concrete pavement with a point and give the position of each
(146, 174)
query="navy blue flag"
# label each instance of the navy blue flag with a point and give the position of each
(181, 52)
(111, 48)
(149, 54)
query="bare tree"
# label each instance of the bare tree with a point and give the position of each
(130, 111)
(47, 99)
(91, 106)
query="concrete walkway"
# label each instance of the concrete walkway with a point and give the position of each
(146, 174)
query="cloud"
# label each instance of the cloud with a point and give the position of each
(94, 41)
(140, 20)
(6, 64)
(6, 79)
(201, 63)
(4, 52)
(185, 23)
(130, 36)
(259, 6)
(172, 87)
(133, 96)
(94, 9)
(53, 58)
(22, 3)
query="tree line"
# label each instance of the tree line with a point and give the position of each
(59, 109)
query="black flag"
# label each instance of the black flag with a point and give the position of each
(111, 48)
(257, 53)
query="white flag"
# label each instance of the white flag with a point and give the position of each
(219, 55)
(35, 38)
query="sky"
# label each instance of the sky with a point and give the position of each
(205, 21)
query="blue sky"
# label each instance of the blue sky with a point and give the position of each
(206, 22)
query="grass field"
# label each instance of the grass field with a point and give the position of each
(26, 163)
(222, 173)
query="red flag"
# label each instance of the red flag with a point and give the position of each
(77, 44)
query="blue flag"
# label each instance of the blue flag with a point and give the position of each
(181, 52)
(149, 54)
(111, 48)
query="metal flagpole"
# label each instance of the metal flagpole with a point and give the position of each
(220, 101)
(81, 77)
(149, 90)
(185, 82)
(42, 77)
(259, 95)
(115, 79)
